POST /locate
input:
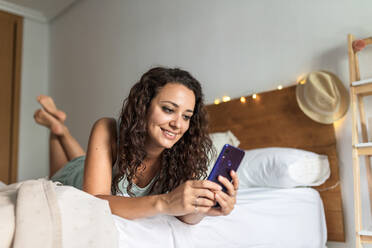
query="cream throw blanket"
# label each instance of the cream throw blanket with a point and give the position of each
(38, 213)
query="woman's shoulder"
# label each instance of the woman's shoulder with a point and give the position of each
(106, 120)
(107, 124)
(107, 127)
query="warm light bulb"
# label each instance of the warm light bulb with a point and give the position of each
(280, 87)
(301, 78)
(254, 96)
(217, 101)
(242, 99)
(302, 81)
(226, 98)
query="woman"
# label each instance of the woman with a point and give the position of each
(150, 162)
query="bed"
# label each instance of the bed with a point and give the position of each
(263, 217)
(274, 119)
(47, 214)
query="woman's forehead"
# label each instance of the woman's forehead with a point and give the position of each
(178, 94)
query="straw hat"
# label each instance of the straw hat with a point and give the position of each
(323, 97)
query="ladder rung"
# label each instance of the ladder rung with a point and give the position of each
(366, 235)
(364, 148)
(363, 87)
(367, 239)
(367, 144)
(361, 82)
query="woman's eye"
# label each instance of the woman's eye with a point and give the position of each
(167, 110)
(186, 117)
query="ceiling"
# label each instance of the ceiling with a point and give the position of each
(43, 10)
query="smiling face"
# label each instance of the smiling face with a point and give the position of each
(168, 117)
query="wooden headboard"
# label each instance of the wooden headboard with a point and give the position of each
(274, 119)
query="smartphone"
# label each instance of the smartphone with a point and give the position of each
(229, 159)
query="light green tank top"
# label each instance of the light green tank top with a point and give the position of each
(136, 190)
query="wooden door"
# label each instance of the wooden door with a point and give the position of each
(10, 58)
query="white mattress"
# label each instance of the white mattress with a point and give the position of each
(262, 218)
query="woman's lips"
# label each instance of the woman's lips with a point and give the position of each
(168, 134)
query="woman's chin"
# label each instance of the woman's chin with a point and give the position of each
(168, 145)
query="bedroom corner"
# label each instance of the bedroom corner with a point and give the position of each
(87, 54)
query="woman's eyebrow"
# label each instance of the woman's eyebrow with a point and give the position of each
(176, 105)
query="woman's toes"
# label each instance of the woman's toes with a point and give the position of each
(38, 118)
(44, 118)
(48, 104)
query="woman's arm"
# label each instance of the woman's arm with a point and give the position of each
(180, 202)
(98, 176)
(134, 207)
(98, 161)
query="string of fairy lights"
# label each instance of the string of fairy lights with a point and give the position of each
(243, 99)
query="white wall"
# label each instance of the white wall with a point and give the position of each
(33, 139)
(99, 50)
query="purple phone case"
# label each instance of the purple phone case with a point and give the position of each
(229, 159)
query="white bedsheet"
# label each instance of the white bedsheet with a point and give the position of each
(262, 218)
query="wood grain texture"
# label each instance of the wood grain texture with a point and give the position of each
(18, 23)
(274, 119)
(6, 78)
(11, 30)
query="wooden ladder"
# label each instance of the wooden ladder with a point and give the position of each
(358, 89)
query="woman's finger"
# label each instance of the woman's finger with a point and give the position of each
(222, 202)
(202, 210)
(214, 212)
(203, 202)
(205, 184)
(206, 193)
(224, 196)
(228, 185)
(235, 179)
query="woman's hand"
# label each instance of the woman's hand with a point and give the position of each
(193, 196)
(226, 200)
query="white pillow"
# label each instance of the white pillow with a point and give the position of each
(282, 168)
(2, 184)
(218, 141)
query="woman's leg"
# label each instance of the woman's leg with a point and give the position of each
(62, 146)
(57, 156)
(70, 145)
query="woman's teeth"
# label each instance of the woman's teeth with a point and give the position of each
(169, 133)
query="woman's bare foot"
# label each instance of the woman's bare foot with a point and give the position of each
(48, 104)
(44, 118)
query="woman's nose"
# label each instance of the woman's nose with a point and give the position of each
(176, 122)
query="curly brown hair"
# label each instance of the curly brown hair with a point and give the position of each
(187, 159)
